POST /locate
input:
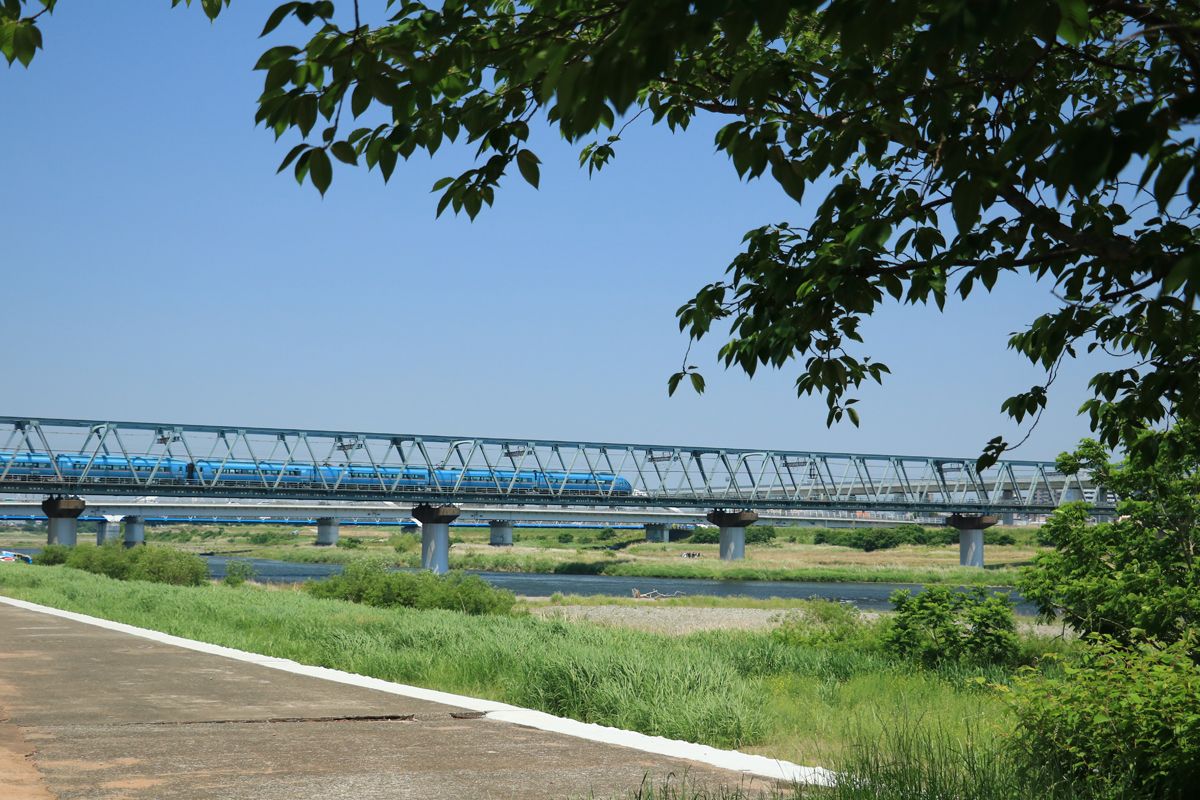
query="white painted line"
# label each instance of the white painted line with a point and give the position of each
(760, 766)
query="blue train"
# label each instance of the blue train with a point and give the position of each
(210, 472)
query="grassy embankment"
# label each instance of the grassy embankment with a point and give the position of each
(792, 556)
(751, 690)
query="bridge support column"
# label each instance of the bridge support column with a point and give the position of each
(62, 514)
(732, 525)
(435, 535)
(658, 532)
(970, 536)
(500, 534)
(135, 531)
(1071, 494)
(101, 532)
(327, 532)
(1007, 496)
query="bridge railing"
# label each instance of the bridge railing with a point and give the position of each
(105, 457)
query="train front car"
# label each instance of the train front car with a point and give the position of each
(25, 466)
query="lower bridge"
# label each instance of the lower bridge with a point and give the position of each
(126, 520)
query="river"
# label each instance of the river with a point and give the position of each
(866, 596)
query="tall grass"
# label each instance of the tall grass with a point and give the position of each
(908, 761)
(729, 689)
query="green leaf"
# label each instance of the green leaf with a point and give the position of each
(360, 98)
(344, 152)
(527, 163)
(320, 170)
(1074, 25)
(277, 16)
(697, 382)
(673, 382)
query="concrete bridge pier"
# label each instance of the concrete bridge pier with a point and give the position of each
(1071, 494)
(732, 526)
(327, 531)
(435, 535)
(135, 531)
(658, 532)
(109, 530)
(500, 533)
(970, 536)
(62, 513)
(1007, 496)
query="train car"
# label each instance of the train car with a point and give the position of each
(121, 468)
(271, 473)
(25, 465)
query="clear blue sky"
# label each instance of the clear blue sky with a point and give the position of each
(154, 267)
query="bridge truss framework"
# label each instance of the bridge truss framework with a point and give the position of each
(658, 475)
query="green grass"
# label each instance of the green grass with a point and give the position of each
(728, 689)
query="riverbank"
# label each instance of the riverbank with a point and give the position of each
(791, 556)
(746, 689)
(665, 561)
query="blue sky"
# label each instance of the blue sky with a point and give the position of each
(155, 267)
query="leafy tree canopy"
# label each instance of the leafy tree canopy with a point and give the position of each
(956, 143)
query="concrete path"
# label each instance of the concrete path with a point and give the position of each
(92, 713)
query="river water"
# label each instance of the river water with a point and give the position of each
(866, 596)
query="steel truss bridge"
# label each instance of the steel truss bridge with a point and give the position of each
(78, 457)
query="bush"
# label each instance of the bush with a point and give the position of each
(405, 543)
(270, 537)
(164, 565)
(941, 625)
(760, 534)
(606, 534)
(238, 572)
(52, 554)
(148, 563)
(1120, 721)
(994, 537)
(825, 624)
(870, 539)
(705, 536)
(113, 560)
(566, 537)
(350, 542)
(370, 583)
(1134, 578)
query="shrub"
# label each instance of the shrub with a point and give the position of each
(870, 539)
(350, 542)
(1120, 721)
(760, 534)
(112, 560)
(994, 537)
(825, 624)
(270, 537)
(405, 543)
(1134, 578)
(370, 583)
(238, 572)
(941, 625)
(164, 565)
(149, 563)
(606, 534)
(705, 536)
(566, 537)
(52, 554)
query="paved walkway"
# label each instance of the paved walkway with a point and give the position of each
(92, 713)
